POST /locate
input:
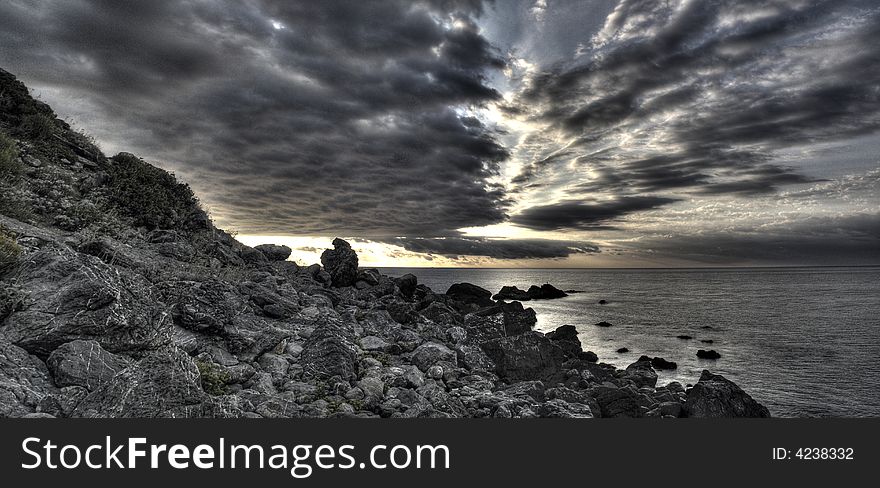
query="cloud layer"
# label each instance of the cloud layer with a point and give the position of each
(288, 117)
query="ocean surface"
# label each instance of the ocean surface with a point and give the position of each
(805, 342)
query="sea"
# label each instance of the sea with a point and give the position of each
(805, 341)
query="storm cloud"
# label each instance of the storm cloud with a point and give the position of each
(575, 214)
(674, 98)
(495, 248)
(287, 117)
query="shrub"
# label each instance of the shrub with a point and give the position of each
(151, 196)
(9, 249)
(9, 164)
(213, 378)
(37, 126)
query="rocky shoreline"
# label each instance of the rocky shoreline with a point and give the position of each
(120, 298)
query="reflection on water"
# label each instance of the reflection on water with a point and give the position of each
(803, 341)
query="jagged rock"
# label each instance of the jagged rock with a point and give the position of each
(528, 356)
(84, 363)
(407, 285)
(545, 292)
(341, 263)
(77, 296)
(441, 313)
(156, 386)
(369, 276)
(512, 293)
(469, 297)
(274, 252)
(716, 396)
(660, 363)
(617, 402)
(641, 373)
(431, 353)
(710, 354)
(24, 381)
(501, 320)
(566, 337)
(330, 351)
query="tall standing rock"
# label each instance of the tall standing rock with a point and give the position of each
(341, 262)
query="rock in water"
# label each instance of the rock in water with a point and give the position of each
(341, 262)
(566, 337)
(641, 373)
(660, 363)
(710, 354)
(604, 324)
(274, 252)
(512, 293)
(545, 292)
(716, 396)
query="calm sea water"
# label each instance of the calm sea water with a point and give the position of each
(805, 342)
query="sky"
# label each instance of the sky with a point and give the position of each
(517, 133)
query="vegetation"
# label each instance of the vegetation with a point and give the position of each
(9, 164)
(213, 378)
(149, 195)
(37, 126)
(9, 249)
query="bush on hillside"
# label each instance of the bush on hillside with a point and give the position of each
(9, 164)
(149, 195)
(9, 249)
(37, 127)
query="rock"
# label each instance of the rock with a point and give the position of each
(707, 341)
(622, 350)
(369, 276)
(641, 373)
(684, 337)
(604, 324)
(24, 381)
(603, 302)
(557, 408)
(274, 252)
(470, 295)
(512, 293)
(163, 384)
(528, 356)
(77, 296)
(617, 402)
(660, 363)
(341, 263)
(715, 396)
(431, 353)
(435, 372)
(545, 292)
(374, 391)
(501, 320)
(566, 337)
(84, 363)
(373, 343)
(251, 256)
(407, 285)
(330, 351)
(710, 354)
(671, 409)
(588, 356)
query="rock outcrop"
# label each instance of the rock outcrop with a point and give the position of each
(543, 292)
(716, 396)
(341, 263)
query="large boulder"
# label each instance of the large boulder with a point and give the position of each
(330, 351)
(528, 356)
(341, 263)
(641, 373)
(164, 383)
(431, 353)
(274, 252)
(470, 296)
(512, 293)
(84, 363)
(73, 296)
(618, 402)
(407, 285)
(716, 396)
(545, 292)
(501, 320)
(24, 381)
(566, 337)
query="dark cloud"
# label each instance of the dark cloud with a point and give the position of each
(455, 247)
(699, 96)
(309, 118)
(585, 215)
(845, 240)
